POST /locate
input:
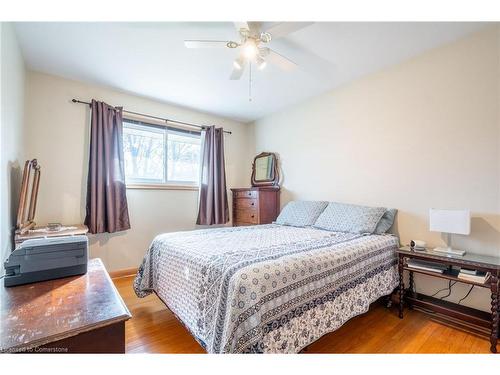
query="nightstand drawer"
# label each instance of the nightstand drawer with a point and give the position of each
(246, 194)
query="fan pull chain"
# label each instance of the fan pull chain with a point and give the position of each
(250, 82)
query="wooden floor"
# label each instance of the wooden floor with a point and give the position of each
(154, 329)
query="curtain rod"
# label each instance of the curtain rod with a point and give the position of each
(155, 117)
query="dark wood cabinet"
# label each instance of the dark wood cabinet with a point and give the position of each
(455, 312)
(255, 205)
(77, 314)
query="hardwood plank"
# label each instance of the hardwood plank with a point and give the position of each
(154, 329)
(123, 272)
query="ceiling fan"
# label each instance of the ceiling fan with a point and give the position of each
(253, 45)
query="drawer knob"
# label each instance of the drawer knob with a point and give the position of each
(253, 216)
(253, 203)
(249, 193)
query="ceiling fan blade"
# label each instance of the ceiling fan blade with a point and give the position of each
(237, 73)
(308, 61)
(253, 27)
(280, 60)
(205, 43)
(282, 29)
(241, 25)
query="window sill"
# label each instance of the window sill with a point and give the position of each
(161, 187)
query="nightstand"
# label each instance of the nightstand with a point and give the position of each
(449, 309)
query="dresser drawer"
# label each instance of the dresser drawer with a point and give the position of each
(242, 224)
(246, 194)
(246, 216)
(246, 204)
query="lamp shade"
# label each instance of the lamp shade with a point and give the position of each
(449, 221)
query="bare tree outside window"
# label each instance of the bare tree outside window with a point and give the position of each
(183, 157)
(159, 155)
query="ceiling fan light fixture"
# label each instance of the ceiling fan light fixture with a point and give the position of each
(261, 63)
(250, 49)
(265, 37)
(238, 63)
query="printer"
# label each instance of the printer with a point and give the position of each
(45, 259)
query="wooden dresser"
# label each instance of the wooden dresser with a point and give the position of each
(255, 205)
(78, 314)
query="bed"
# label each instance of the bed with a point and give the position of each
(267, 288)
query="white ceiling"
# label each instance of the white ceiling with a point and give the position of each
(150, 59)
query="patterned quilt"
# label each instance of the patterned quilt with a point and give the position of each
(266, 288)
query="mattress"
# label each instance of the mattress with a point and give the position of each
(266, 288)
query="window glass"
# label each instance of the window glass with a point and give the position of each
(160, 155)
(183, 157)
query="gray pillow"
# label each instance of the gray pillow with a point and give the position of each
(342, 217)
(386, 221)
(301, 213)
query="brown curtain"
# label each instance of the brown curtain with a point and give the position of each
(107, 209)
(213, 207)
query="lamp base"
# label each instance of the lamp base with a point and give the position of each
(449, 251)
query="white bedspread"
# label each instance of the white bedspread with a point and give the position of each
(266, 288)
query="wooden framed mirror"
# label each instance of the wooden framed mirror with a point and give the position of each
(265, 170)
(28, 197)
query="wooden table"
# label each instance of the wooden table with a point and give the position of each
(446, 308)
(79, 314)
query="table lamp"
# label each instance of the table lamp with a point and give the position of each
(449, 221)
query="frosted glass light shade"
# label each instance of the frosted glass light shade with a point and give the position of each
(449, 221)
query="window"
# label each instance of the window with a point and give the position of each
(159, 155)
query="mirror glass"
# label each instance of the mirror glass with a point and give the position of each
(264, 168)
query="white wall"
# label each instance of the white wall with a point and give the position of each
(11, 134)
(58, 136)
(421, 134)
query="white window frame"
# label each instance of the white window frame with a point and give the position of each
(138, 183)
